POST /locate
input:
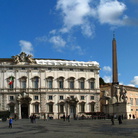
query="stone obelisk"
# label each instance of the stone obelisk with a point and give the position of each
(114, 66)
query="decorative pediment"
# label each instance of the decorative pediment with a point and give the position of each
(23, 58)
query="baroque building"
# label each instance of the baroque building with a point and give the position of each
(48, 87)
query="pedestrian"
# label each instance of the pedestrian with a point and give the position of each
(47, 117)
(112, 120)
(44, 117)
(68, 118)
(120, 119)
(10, 122)
(129, 116)
(34, 118)
(64, 117)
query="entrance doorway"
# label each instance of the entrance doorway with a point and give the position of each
(24, 111)
(72, 111)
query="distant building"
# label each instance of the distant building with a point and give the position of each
(108, 105)
(48, 87)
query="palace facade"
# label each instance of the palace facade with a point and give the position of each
(48, 87)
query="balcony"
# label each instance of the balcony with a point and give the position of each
(44, 90)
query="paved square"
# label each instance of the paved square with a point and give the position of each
(73, 129)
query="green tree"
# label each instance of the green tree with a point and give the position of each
(101, 81)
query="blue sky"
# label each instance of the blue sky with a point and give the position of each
(79, 30)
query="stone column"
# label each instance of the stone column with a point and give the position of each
(20, 110)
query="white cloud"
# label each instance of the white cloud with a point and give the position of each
(135, 80)
(53, 31)
(111, 12)
(107, 79)
(78, 49)
(82, 13)
(75, 13)
(42, 39)
(57, 41)
(26, 46)
(107, 69)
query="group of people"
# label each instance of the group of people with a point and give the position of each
(66, 118)
(33, 118)
(120, 117)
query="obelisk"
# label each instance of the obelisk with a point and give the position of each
(114, 62)
(114, 67)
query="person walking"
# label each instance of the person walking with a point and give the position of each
(112, 119)
(68, 118)
(10, 122)
(120, 119)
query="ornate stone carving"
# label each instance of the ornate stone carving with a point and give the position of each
(120, 93)
(23, 59)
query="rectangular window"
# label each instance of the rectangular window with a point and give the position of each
(131, 101)
(61, 97)
(61, 84)
(23, 68)
(36, 97)
(11, 86)
(49, 68)
(72, 97)
(35, 68)
(51, 108)
(92, 107)
(92, 85)
(36, 108)
(82, 107)
(71, 69)
(81, 69)
(61, 108)
(81, 85)
(71, 84)
(60, 68)
(82, 97)
(136, 101)
(11, 98)
(23, 84)
(35, 82)
(11, 109)
(92, 98)
(50, 97)
(10, 68)
(50, 83)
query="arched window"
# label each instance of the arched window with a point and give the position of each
(50, 82)
(92, 83)
(71, 82)
(61, 82)
(35, 82)
(82, 83)
(23, 82)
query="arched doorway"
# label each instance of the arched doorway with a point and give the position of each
(24, 110)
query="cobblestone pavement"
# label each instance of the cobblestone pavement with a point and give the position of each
(73, 129)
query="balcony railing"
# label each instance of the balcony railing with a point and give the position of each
(31, 90)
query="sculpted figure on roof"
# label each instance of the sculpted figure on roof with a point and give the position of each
(23, 59)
